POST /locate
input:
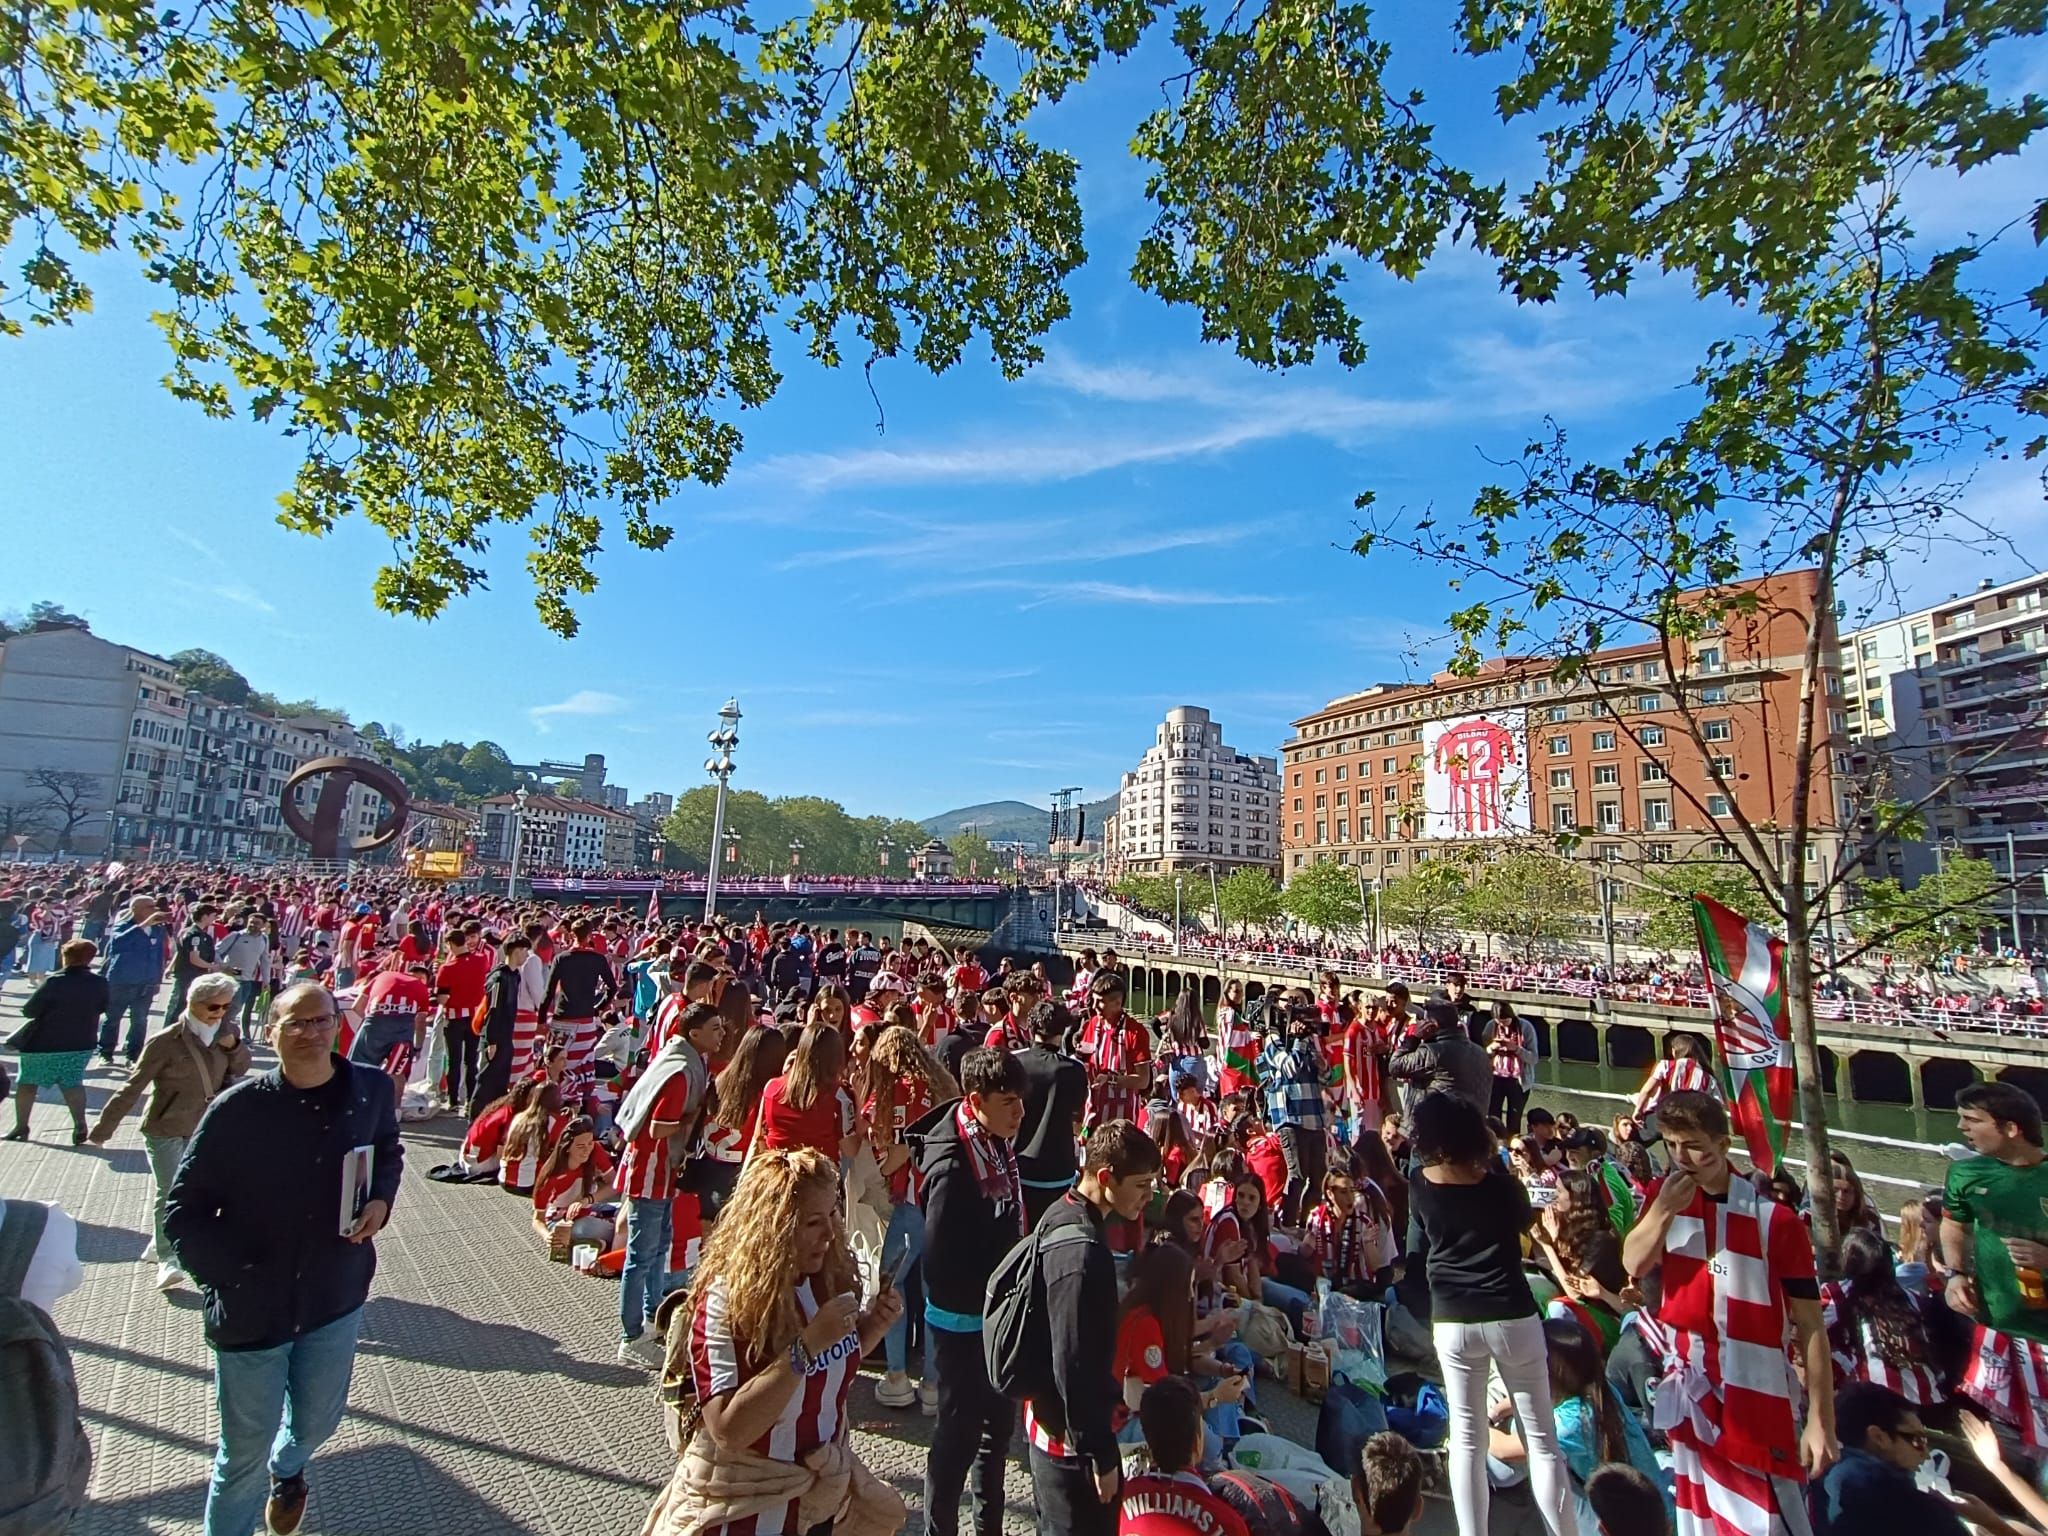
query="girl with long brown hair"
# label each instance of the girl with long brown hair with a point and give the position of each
(808, 1106)
(901, 1083)
(1157, 1337)
(772, 1333)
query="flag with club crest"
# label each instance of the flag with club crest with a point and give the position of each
(1745, 966)
(654, 906)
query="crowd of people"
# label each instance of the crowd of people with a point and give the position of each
(803, 1151)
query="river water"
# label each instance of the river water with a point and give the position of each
(1897, 1149)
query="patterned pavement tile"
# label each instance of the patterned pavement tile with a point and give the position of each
(485, 1397)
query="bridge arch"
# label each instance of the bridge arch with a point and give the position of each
(1630, 1047)
(1942, 1077)
(1880, 1077)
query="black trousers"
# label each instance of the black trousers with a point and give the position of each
(972, 1433)
(1506, 1104)
(1308, 1158)
(462, 1049)
(491, 1081)
(1068, 1503)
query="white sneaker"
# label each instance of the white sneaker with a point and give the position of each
(149, 1253)
(169, 1277)
(928, 1398)
(894, 1391)
(645, 1350)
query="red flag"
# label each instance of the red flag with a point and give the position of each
(654, 906)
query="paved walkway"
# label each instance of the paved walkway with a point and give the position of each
(486, 1397)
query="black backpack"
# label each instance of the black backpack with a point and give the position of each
(1015, 1339)
(45, 1459)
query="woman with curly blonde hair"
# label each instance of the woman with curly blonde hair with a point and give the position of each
(775, 1339)
(901, 1083)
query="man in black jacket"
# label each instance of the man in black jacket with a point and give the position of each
(1075, 1467)
(1055, 1098)
(288, 1178)
(192, 958)
(501, 1000)
(973, 1214)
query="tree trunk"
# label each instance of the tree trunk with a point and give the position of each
(1809, 1102)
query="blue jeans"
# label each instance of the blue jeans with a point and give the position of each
(165, 1153)
(245, 1004)
(276, 1407)
(644, 1279)
(906, 1225)
(129, 999)
(1294, 1302)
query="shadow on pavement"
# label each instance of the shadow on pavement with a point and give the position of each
(437, 1336)
(109, 1245)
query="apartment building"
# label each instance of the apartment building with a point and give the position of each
(1194, 800)
(160, 768)
(1951, 702)
(1387, 777)
(555, 832)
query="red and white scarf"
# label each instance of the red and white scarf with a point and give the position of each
(994, 1162)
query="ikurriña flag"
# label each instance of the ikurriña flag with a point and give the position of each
(1745, 967)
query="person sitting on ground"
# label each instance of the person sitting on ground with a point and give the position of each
(1626, 1502)
(1157, 1336)
(529, 1138)
(1349, 1236)
(1593, 1425)
(1871, 1491)
(485, 1139)
(1386, 1485)
(1173, 1499)
(567, 1193)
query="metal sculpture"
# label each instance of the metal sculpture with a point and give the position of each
(324, 831)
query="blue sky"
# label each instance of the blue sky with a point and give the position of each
(998, 594)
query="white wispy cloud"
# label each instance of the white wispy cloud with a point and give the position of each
(1213, 409)
(854, 717)
(1010, 543)
(1045, 593)
(585, 702)
(218, 584)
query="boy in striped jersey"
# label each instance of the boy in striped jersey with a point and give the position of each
(1736, 1270)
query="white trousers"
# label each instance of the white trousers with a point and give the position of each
(1516, 1347)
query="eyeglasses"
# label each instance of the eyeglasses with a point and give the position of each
(1915, 1438)
(221, 1007)
(313, 1026)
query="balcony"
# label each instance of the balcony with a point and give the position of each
(1978, 726)
(2015, 687)
(1999, 831)
(2015, 650)
(2000, 794)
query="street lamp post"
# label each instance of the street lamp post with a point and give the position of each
(882, 848)
(796, 853)
(732, 851)
(719, 766)
(1177, 881)
(518, 837)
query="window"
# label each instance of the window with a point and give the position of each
(1877, 709)
(1657, 815)
(1717, 805)
(1725, 766)
(1343, 798)
(1714, 695)
(1603, 741)
(1390, 765)
(1556, 714)
(1708, 658)
(1659, 853)
(1365, 770)
(1340, 773)
(1560, 746)
(1390, 794)
(1297, 831)
(1297, 805)
(1319, 775)
(1650, 771)
(1322, 831)
(1649, 703)
(1606, 773)
(1563, 818)
(1322, 801)
(1343, 831)
(1607, 816)
(1392, 855)
(1560, 778)
(1652, 735)
(1920, 634)
(1716, 730)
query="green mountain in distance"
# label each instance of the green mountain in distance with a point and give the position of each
(1013, 821)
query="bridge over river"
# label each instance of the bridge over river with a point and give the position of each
(1870, 1052)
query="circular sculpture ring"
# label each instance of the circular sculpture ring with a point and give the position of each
(324, 831)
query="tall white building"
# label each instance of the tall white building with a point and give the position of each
(1955, 697)
(1195, 801)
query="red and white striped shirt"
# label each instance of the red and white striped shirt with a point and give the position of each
(814, 1416)
(908, 1100)
(1679, 1074)
(1107, 1049)
(1725, 1266)
(1345, 1249)
(648, 1171)
(2008, 1378)
(1363, 1047)
(1860, 1356)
